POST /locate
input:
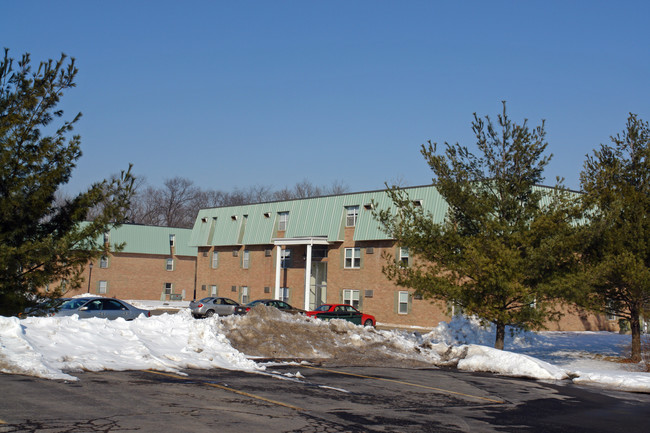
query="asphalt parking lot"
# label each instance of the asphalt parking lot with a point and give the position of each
(312, 399)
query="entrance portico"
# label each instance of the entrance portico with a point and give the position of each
(308, 242)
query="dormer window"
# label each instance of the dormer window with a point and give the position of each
(283, 221)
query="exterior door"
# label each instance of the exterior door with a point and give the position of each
(318, 284)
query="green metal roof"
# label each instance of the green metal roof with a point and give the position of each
(256, 224)
(152, 240)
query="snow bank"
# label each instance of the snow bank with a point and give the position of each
(56, 347)
(48, 347)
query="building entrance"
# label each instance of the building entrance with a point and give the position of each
(318, 284)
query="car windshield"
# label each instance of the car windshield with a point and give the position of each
(73, 304)
(254, 303)
(323, 307)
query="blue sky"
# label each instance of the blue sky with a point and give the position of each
(241, 93)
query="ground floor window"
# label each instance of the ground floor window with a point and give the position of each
(168, 288)
(403, 303)
(352, 297)
(213, 290)
(244, 295)
(284, 294)
(103, 287)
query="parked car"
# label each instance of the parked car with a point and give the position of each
(212, 305)
(44, 308)
(342, 311)
(104, 308)
(280, 305)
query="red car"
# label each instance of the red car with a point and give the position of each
(342, 311)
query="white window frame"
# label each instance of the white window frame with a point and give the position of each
(285, 258)
(103, 262)
(102, 288)
(352, 259)
(168, 288)
(283, 221)
(352, 297)
(172, 240)
(403, 301)
(404, 257)
(351, 216)
(169, 264)
(246, 259)
(214, 263)
(244, 295)
(213, 290)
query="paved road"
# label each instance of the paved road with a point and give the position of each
(306, 399)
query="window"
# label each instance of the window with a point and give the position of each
(284, 294)
(352, 258)
(351, 214)
(103, 262)
(169, 265)
(283, 220)
(172, 240)
(103, 287)
(168, 288)
(244, 295)
(246, 259)
(267, 252)
(352, 297)
(215, 260)
(213, 290)
(285, 258)
(107, 238)
(403, 303)
(404, 257)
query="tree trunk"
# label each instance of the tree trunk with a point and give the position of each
(501, 335)
(635, 327)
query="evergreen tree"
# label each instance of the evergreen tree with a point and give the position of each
(43, 241)
(616, 258)
(498, 253)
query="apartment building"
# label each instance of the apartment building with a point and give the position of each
(325, 249)
(156, 263)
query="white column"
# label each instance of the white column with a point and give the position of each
(307, 275)
(278, 269)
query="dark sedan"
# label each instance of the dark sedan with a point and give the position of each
(344, 312)
(280, 305)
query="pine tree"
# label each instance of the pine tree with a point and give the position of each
(616, 258)
(42, 241)
(499, 252)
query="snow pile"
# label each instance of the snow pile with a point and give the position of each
(56, 347)
(48, 347)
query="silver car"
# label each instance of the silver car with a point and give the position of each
(104, 308)
(212, 305)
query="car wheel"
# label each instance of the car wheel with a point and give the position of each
(209, 313)
(368, 322)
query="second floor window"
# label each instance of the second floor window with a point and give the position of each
(169, 265)
(404, 257)
(285, 258)
(352, 258)
(103, 262)
(246, 258)
(215, 259)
